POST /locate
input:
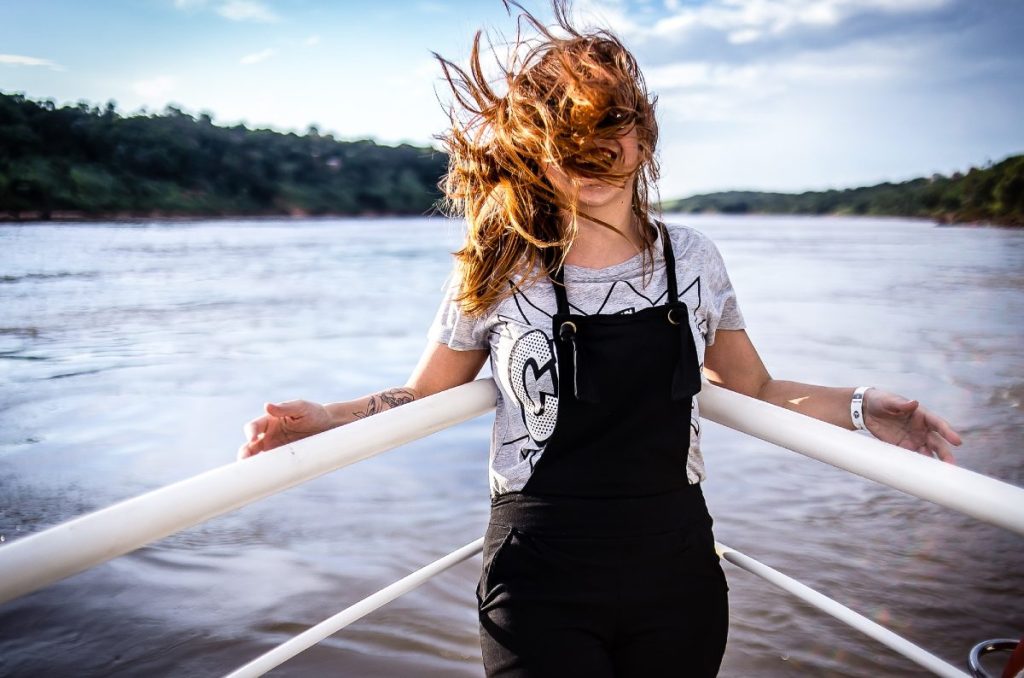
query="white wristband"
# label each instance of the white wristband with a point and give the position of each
(857, 408)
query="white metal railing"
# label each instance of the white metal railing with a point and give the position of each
(41, 559)
(844, 614)
(353, 613)
(313, 635)
(970, 493)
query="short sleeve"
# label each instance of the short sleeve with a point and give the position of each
(452, 327)
(725, 312)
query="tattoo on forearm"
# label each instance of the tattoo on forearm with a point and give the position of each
(385, 400)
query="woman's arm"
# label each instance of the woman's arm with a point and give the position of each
(439, 369)
(733, 362)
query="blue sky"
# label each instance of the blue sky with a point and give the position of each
(763, 94)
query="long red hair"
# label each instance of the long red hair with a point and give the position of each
(561, 94)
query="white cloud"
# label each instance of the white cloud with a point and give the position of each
(155, 89)
(712, 92)
(744, 36)
(716, 92)
(256, 57)
(778, 16)
(744, 21)
(21, 60)
(247, 10)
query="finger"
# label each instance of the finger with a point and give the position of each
(940, 448)
(257, 445)
(255, 428)
(291, 408)
(244, 452)
(901, 408)
(940, 425)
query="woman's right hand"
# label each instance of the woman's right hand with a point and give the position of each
(284, 423)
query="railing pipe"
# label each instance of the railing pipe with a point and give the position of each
(40, 559)
(844, 614)
(353, 613)
(970, 493)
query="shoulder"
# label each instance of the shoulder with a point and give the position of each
(692, 247)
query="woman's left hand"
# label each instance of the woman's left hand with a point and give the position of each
(896, 420)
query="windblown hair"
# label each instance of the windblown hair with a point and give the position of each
(561, 96)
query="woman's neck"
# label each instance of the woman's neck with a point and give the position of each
(597, 246)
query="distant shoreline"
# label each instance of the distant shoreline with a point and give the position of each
(73, 217)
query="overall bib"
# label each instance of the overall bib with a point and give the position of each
(604, 563)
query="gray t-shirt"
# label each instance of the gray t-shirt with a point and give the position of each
(517, 331)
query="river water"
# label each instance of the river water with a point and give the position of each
(130, 356)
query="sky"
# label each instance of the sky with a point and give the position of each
(783, 95)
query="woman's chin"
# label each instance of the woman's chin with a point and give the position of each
(598, 193)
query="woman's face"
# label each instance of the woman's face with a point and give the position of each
(595, 192)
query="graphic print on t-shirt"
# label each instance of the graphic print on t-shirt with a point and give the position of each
(532, 376)
(624, 299)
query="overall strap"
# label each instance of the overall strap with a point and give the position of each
(686, 380)
(670, 263)
(558, 282)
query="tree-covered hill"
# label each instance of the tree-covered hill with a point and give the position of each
(86, 161)
(992, 194)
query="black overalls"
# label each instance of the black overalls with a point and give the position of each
(604, 564)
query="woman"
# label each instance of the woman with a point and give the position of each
(598, 321)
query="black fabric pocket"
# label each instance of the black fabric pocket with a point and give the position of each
(523, 566)
(497, 539)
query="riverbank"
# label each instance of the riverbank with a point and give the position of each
(992, 195)
(71, 216)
